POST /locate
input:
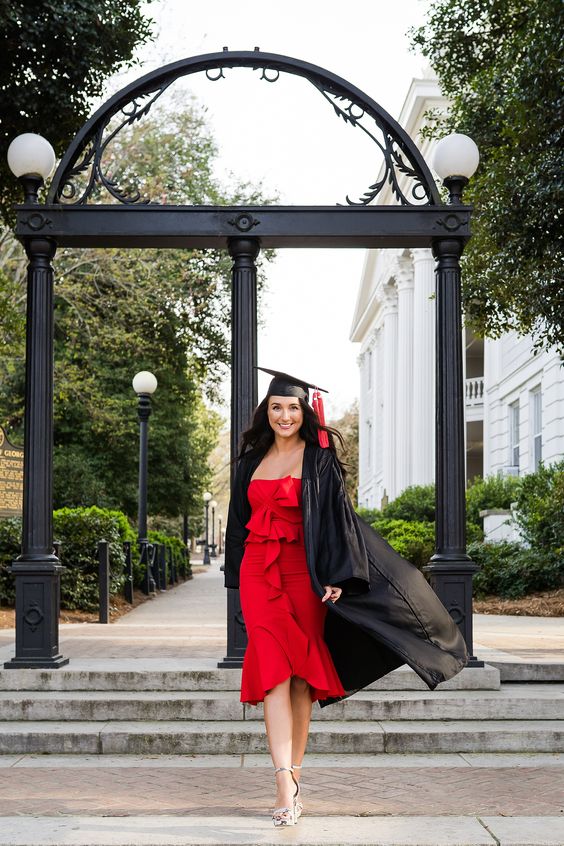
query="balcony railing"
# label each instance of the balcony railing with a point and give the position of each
(475, 391)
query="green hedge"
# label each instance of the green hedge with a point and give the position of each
(511, 570)
(415, 540)
(78, 530)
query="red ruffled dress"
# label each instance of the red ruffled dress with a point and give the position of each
(283, 616)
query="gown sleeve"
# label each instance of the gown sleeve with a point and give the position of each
(342, 559)
(236, 531)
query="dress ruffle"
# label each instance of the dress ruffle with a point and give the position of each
(283, 616)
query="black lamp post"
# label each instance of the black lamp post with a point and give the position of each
(220, 536)
(207, 497)
(213, 553)
(144, 385)
(37, 570)
(450, 570)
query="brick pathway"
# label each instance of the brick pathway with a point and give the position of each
(532, 791)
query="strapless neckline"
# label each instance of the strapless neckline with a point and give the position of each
(281, 479)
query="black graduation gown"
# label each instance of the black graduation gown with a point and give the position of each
(388, 614)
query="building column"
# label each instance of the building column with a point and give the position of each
(404, 405)
(390, 310)
(423, 418)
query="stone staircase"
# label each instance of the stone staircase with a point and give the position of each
(197, 711)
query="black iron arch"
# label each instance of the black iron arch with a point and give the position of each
(404, 168)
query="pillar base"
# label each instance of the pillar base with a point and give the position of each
(36, 664)
(450, 575)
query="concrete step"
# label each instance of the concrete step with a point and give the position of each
(512, 702)
(168, 830)
(222, 737)
(76, 677)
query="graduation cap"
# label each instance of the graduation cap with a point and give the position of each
(284, 385)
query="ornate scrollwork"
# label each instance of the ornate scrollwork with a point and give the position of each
(90, 161)
(84, 173)
(397, 160)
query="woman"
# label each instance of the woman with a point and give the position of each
(328, 605)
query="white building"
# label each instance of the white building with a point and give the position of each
(514, 399)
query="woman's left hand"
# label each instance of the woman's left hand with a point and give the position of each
(332, 593)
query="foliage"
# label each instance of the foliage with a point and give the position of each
(540, 508)
(509, 570)
(499, 64)
(347, 425)
(119, 311)
(78, 530)
(490, 492)
(56, 57)
(414, 540)
(414, 503)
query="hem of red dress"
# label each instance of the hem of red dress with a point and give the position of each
(318, 693)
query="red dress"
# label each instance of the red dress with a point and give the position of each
(283, 616)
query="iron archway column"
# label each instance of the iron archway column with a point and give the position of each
(244, 393)
(37, 570)
(450, 568)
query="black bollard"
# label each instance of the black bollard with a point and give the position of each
(104, 581)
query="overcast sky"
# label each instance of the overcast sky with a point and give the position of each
(287, 137)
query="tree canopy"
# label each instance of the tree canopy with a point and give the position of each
(56, 56)
(500, 64)
(121, 311)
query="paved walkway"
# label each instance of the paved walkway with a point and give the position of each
(188, 622)
(480, 799)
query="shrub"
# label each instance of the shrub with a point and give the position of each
(509, 570)
(491, 492)
(10, 547)
(540, 508)
(414, 503)
(414, 540)
(79, 530)
(369, 515)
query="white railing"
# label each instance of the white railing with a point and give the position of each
(475, 391)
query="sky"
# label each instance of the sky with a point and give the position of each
(286, 137)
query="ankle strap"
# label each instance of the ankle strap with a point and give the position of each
(282, 770)
(296, 766)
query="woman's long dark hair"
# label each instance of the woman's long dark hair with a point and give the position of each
(259, 437)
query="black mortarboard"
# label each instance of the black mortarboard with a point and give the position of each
(284, 385)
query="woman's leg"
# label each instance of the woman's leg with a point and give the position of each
(279, 726)
(301, 713)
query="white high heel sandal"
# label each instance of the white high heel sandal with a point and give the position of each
(299, 804)
(286, 816)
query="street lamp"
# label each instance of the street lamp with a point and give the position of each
(220, 538)
(37, 571)
(207, 496)
(455, 159)
(213, 505)
(144, 384)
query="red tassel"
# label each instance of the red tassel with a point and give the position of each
(317, 403)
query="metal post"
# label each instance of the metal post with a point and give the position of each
(37, 570)
(128, 570)
(104, 581)
(244, 392)
(213, 553)
(450, 568)
(206, 545)
(220, 547)
(144, 412)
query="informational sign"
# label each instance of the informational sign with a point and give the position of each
(11, 478)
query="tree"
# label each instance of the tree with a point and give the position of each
(499, 63)
(347, 425)
(56, 56)
(119, 311)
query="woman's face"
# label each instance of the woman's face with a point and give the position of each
(285, 415)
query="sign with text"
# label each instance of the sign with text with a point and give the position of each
(11, 478)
